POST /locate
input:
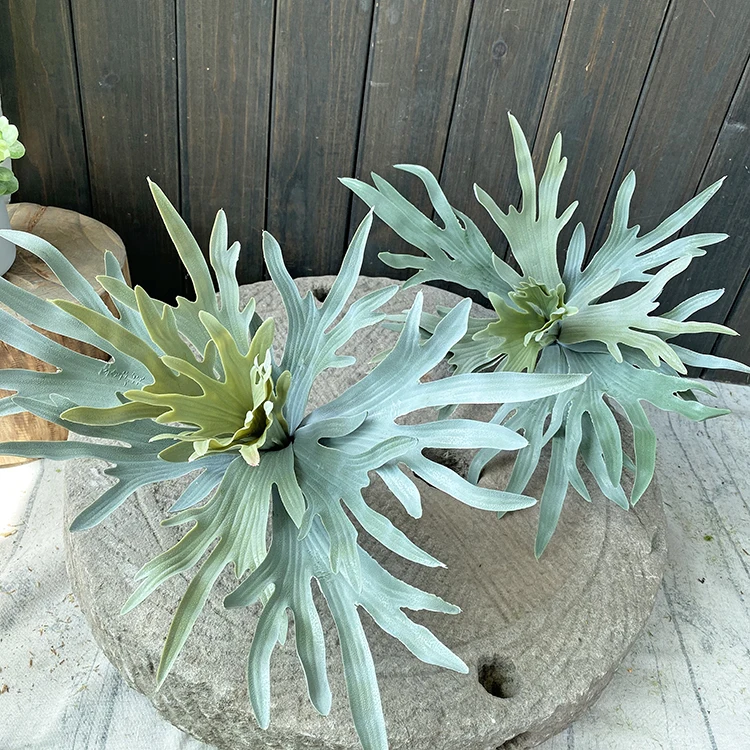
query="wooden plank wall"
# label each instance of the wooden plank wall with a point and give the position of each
(257, 106)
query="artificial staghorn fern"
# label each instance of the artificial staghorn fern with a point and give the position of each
(202, 377)
(554, 321)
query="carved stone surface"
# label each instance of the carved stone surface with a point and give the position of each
(542, 639)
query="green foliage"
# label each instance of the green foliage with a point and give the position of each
(202, 375)
(551, 321)
(10, 148)
(529, 321)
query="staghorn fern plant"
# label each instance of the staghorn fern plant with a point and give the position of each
(201, 377)
(554, 321)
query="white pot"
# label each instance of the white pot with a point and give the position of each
(7, 248)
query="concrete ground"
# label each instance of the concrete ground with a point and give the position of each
(685, 684)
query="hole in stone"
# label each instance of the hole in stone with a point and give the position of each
(519, 742)
(320, 293)
(499, 677)
(657, 541)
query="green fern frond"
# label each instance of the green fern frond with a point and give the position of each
(201, 374)
(553, 320)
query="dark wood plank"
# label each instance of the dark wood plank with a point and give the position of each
(320, 58)
(227, 97)
(509, 57)
(601, 65)
(725, 265)
(128, 73)
(694, 75)
(735, 347)
(40, 95)
(414, 69)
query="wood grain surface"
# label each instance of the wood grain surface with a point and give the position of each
(225, 100)
(686, 683)
(320, 58)
(43, 98)
(696, 67)
(258, 107)
(127, 68)
(510, 56)
(725, 266)
(408, 101)
(601, 65)
(83, 241)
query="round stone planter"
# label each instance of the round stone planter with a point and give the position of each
(541, 638)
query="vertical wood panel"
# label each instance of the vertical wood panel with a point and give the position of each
(227, 94)
(736, 347)
(509, 56)
(416, 58)
(320, 59)
(601, 65)
(694, 77)
(40, 95)
(257, 106)
(127, 67)
(725, 265)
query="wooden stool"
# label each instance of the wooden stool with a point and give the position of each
(82, 241)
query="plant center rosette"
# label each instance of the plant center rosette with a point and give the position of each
(242, 410)
(528, 321)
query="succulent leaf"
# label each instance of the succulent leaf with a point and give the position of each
(552, 321)
(10, 148)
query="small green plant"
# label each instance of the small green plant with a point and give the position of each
(10, 148)
(201, 377)
(554, 320)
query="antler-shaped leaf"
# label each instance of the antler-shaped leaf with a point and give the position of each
(135, 463)
(582, 421)
(241, 323)
(532, 232)
(627, 322)
(458, 250)
(235, 519)
(313, 339)
(289, 569)
(553, 322)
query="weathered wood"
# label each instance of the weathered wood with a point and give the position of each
(686, 681)
(414, 67)
(225, 104)
(126, 56)
(82, 241)
(258, 106)
(601, 65)
(320, 58)
(40, 95)
(736, 347)
(690, 86)
(509, 56)
(725, 266)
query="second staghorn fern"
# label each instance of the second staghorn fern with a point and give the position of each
(553, 320)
